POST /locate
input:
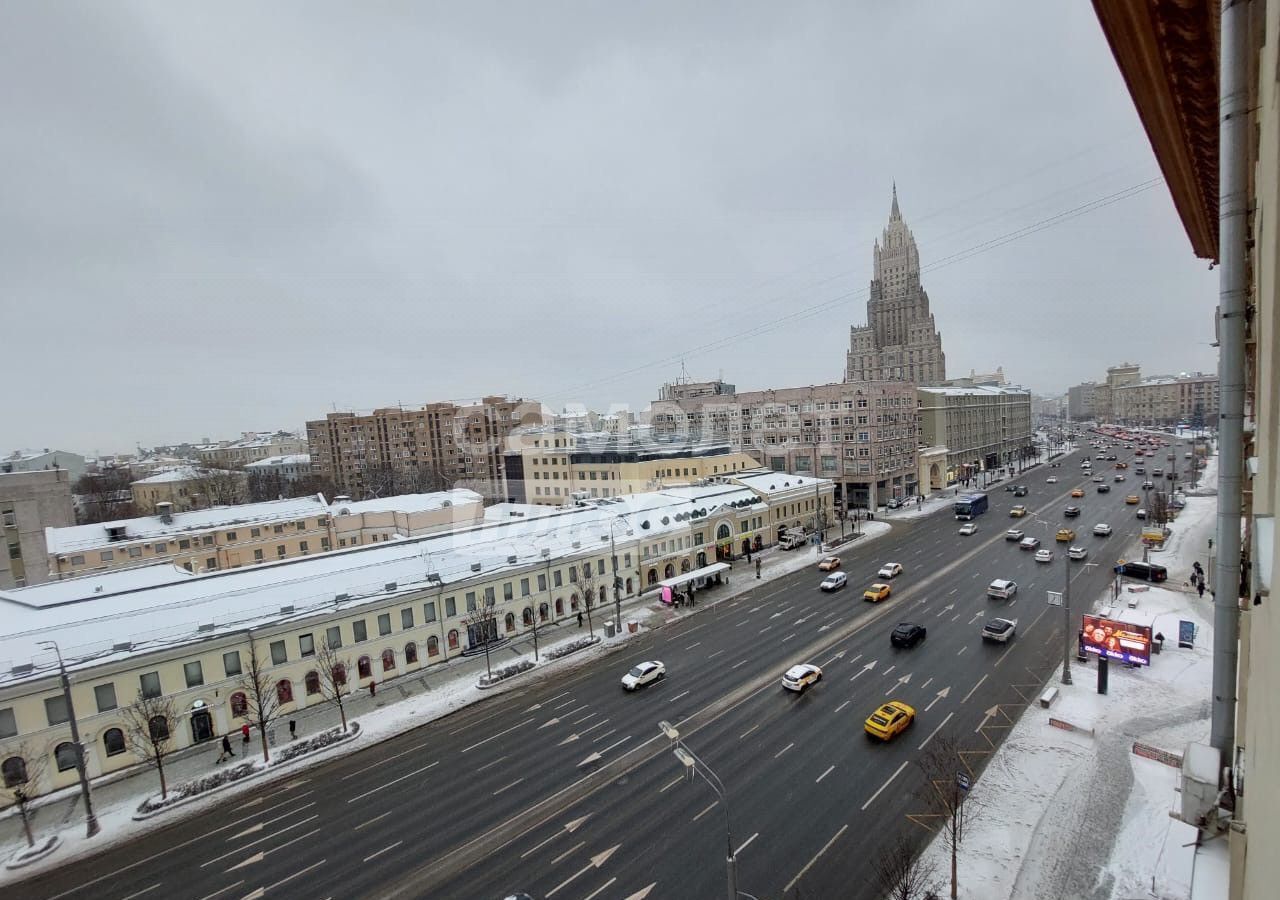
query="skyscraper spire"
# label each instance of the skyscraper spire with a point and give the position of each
(893, 213)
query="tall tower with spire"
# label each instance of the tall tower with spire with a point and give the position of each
(900, 341)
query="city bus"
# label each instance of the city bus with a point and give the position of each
(971, 507)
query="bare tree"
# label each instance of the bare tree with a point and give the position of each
(483, 620)
(589, 588)
(333, 670)
(221, 487)
(902, 872)
(944, 767)
(23, 770)
(104, 496)
(1160, 508)
(263, 486)
(149, 723)
(261, 700)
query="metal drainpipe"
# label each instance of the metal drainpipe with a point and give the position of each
(1233, 209)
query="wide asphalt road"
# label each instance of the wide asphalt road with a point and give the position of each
(567, 788)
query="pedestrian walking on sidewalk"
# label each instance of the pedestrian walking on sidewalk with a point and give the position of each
(244, 732)
(579, 619)
(226, 748)
(757, 569)
(1200, 588)
(293, 730)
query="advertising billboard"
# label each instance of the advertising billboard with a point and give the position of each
(1116, 640)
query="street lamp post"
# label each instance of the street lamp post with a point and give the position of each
(692, 764)
(1066, 608)
(613, 555)
(91, 820)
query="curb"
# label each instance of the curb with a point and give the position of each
(34, 854)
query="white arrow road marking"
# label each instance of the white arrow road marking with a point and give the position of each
(839, 655)
(570, 827)
(599, 754)
(993, 711)
(254, 829)
(946, 609)
(788, 637)
(824, 627)
(864, 670)
(905, 679)
(569, 739)
(549, 723)
(535, 706)
(976, 617)
(256, 858)
(642, 893)
(775, 615)
(269, 837)
(596, 862)
(942, 695)
(803, 619)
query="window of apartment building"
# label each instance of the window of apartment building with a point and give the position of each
(488, 596)
(184, 544)
(15, 551)
(450, 607)
(257, 555)
(231, 536)
(277, 529)
(77, 560)
(556, 579)
(194, 672)
(207, 540)
(280, 551)
(55, 709)
(384, 623)
(599, 566)
(306, 645)
(573, 574)
(211, 563)
(149, 683)
(8, 723)
(359, 631)
(302, 545)
(134, 552)
(471, 601)
(10, 518)
(278, 653)
(255, 532)
(105, 695)
(406, 618)
(107, 555)
(231, 663)
(507, 592)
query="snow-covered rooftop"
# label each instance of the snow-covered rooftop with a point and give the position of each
(409, 503)
(178, 473)
(977, 390)
(289, 459)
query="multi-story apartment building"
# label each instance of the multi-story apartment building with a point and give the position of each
(39, 460)
(1080, 402)
(393, 609)
(983, 428)
(436, 446)
(862, 436)
(292, 467)
(1104, 394)
(30, 502)
(552, 467)
(250, 447)
(229, 537)
(189, 487)
(1167, 400)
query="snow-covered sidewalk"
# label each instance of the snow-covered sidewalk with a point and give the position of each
(1075, 813)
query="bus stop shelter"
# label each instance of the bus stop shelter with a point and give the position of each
(670, 590)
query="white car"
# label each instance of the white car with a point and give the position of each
(834, 581)
(1102, 529)
(643, 674)
(1142, 514)
(968, 528)
(1078, 552)
(798, 678)
(889, 570)
(1045, 555)
(999, 630)
(1052, 479)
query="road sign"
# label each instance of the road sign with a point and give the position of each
(1055, 598)
(962, 781)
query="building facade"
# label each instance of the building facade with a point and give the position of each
(862, 436)
(190, 487)
(30, 502)
(292, 467)
(251, 447)
(983, 428)
(40, 460)
(1080, 402)
(427, 448)
(900, 341)
(1167, 400)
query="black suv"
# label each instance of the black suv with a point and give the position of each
(1020, 491)
(1104, 488)
(1144, 571)
(907, 635)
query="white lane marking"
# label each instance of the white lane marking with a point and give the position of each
(255, 828)
(954, 591)
(297, 874)
(974, 688)
(694, 644)
(956, 617)
(488, 765)
(935, 731)
(765, 628)
(143, 891)
(600, 724)
(890, 669)
(788, 637)
(707, 810)
(584, 718)
(743, 663)
(600, 889)
(670, 784)
(379, 765)
(374, 819)
(678, 696)
(229, 887)
(393, 781)
(501, 733)
(784, 749)
(501, 789)
(926, 684)
(748, 731)
(809, 864)
(873, 797)
(576, 847)
(843, 705)
(596, 740)
(745, 843)
(564, 704)
(714, 655)
(830, 769)
(382, 851)
(743, 622)
(962, 649)
(269, 837)
(976, 617)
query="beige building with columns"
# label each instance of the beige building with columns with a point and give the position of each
(982, 428)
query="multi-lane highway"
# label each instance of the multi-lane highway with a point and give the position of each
(566, 789)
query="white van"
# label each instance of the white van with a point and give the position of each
(1001, 589)
(793, 539)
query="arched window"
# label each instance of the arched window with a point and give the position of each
(284, 691)
(543, 612)
(670, 571)
(653, 577)
(453, 639)
(684, 566)
(14, 770)
(628, 587)
(724, 532)
(364, 667)
(433, 646)
(239, 703)
(339, 674)
(65, 755)
(388, 660)
(113, 741)
(527, 616)
(312, 683)
(573, 603)
(510, 621)
(410, 653)
(159, 726)
(559, 607)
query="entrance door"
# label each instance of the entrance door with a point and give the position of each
(201, 726)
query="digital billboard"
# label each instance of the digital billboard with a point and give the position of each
(1116, 640)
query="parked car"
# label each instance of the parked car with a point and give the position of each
(1144, 571)
(1029, 543)
(907, 634)
(890, 720)
(894, 503)
(1102, 529)
(999, 630)
(877, 592)
(829, 563)
(1013, 534)
(643, 674)
(890, 570)
(969, 528)
(834, 581)
(799, 678)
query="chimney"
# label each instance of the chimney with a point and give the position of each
(164, 510)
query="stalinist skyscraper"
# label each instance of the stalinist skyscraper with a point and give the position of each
(899, 341)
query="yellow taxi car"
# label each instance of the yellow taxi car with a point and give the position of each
(1132, 499)
(877, 592)
(1066, 534)
(1018, 511)
(829, 563)
(1077, 492)
(890, 720)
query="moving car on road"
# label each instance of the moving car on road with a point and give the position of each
(890, 570)
(1077, 553)
(1071, 512)
(1029, 543)
(1052, 479)
(907, 634)
(1002, 589)
(1018, 511)
(1077, 492)
(1119, 478)
(968, 528)
(1104, 489)
(643, 674)
(1066, 534)
(890, 720)
(1013, 534)
(1045, 555)
(877, 592)
(1132, 499)
(798, 678)
(834, 581)
(999, 630)
(1102, 529)
(829, 563)
(1141, 514)
(1020, 491)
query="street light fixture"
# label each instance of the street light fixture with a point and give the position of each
(91, 820)
(613, 555)
(1066, 608)
(693, 765)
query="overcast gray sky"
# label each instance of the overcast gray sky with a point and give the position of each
(233, 216)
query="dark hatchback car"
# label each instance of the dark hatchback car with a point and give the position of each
(1020, 491)
(907, 635)
(1072, 511)
(1104, 489)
